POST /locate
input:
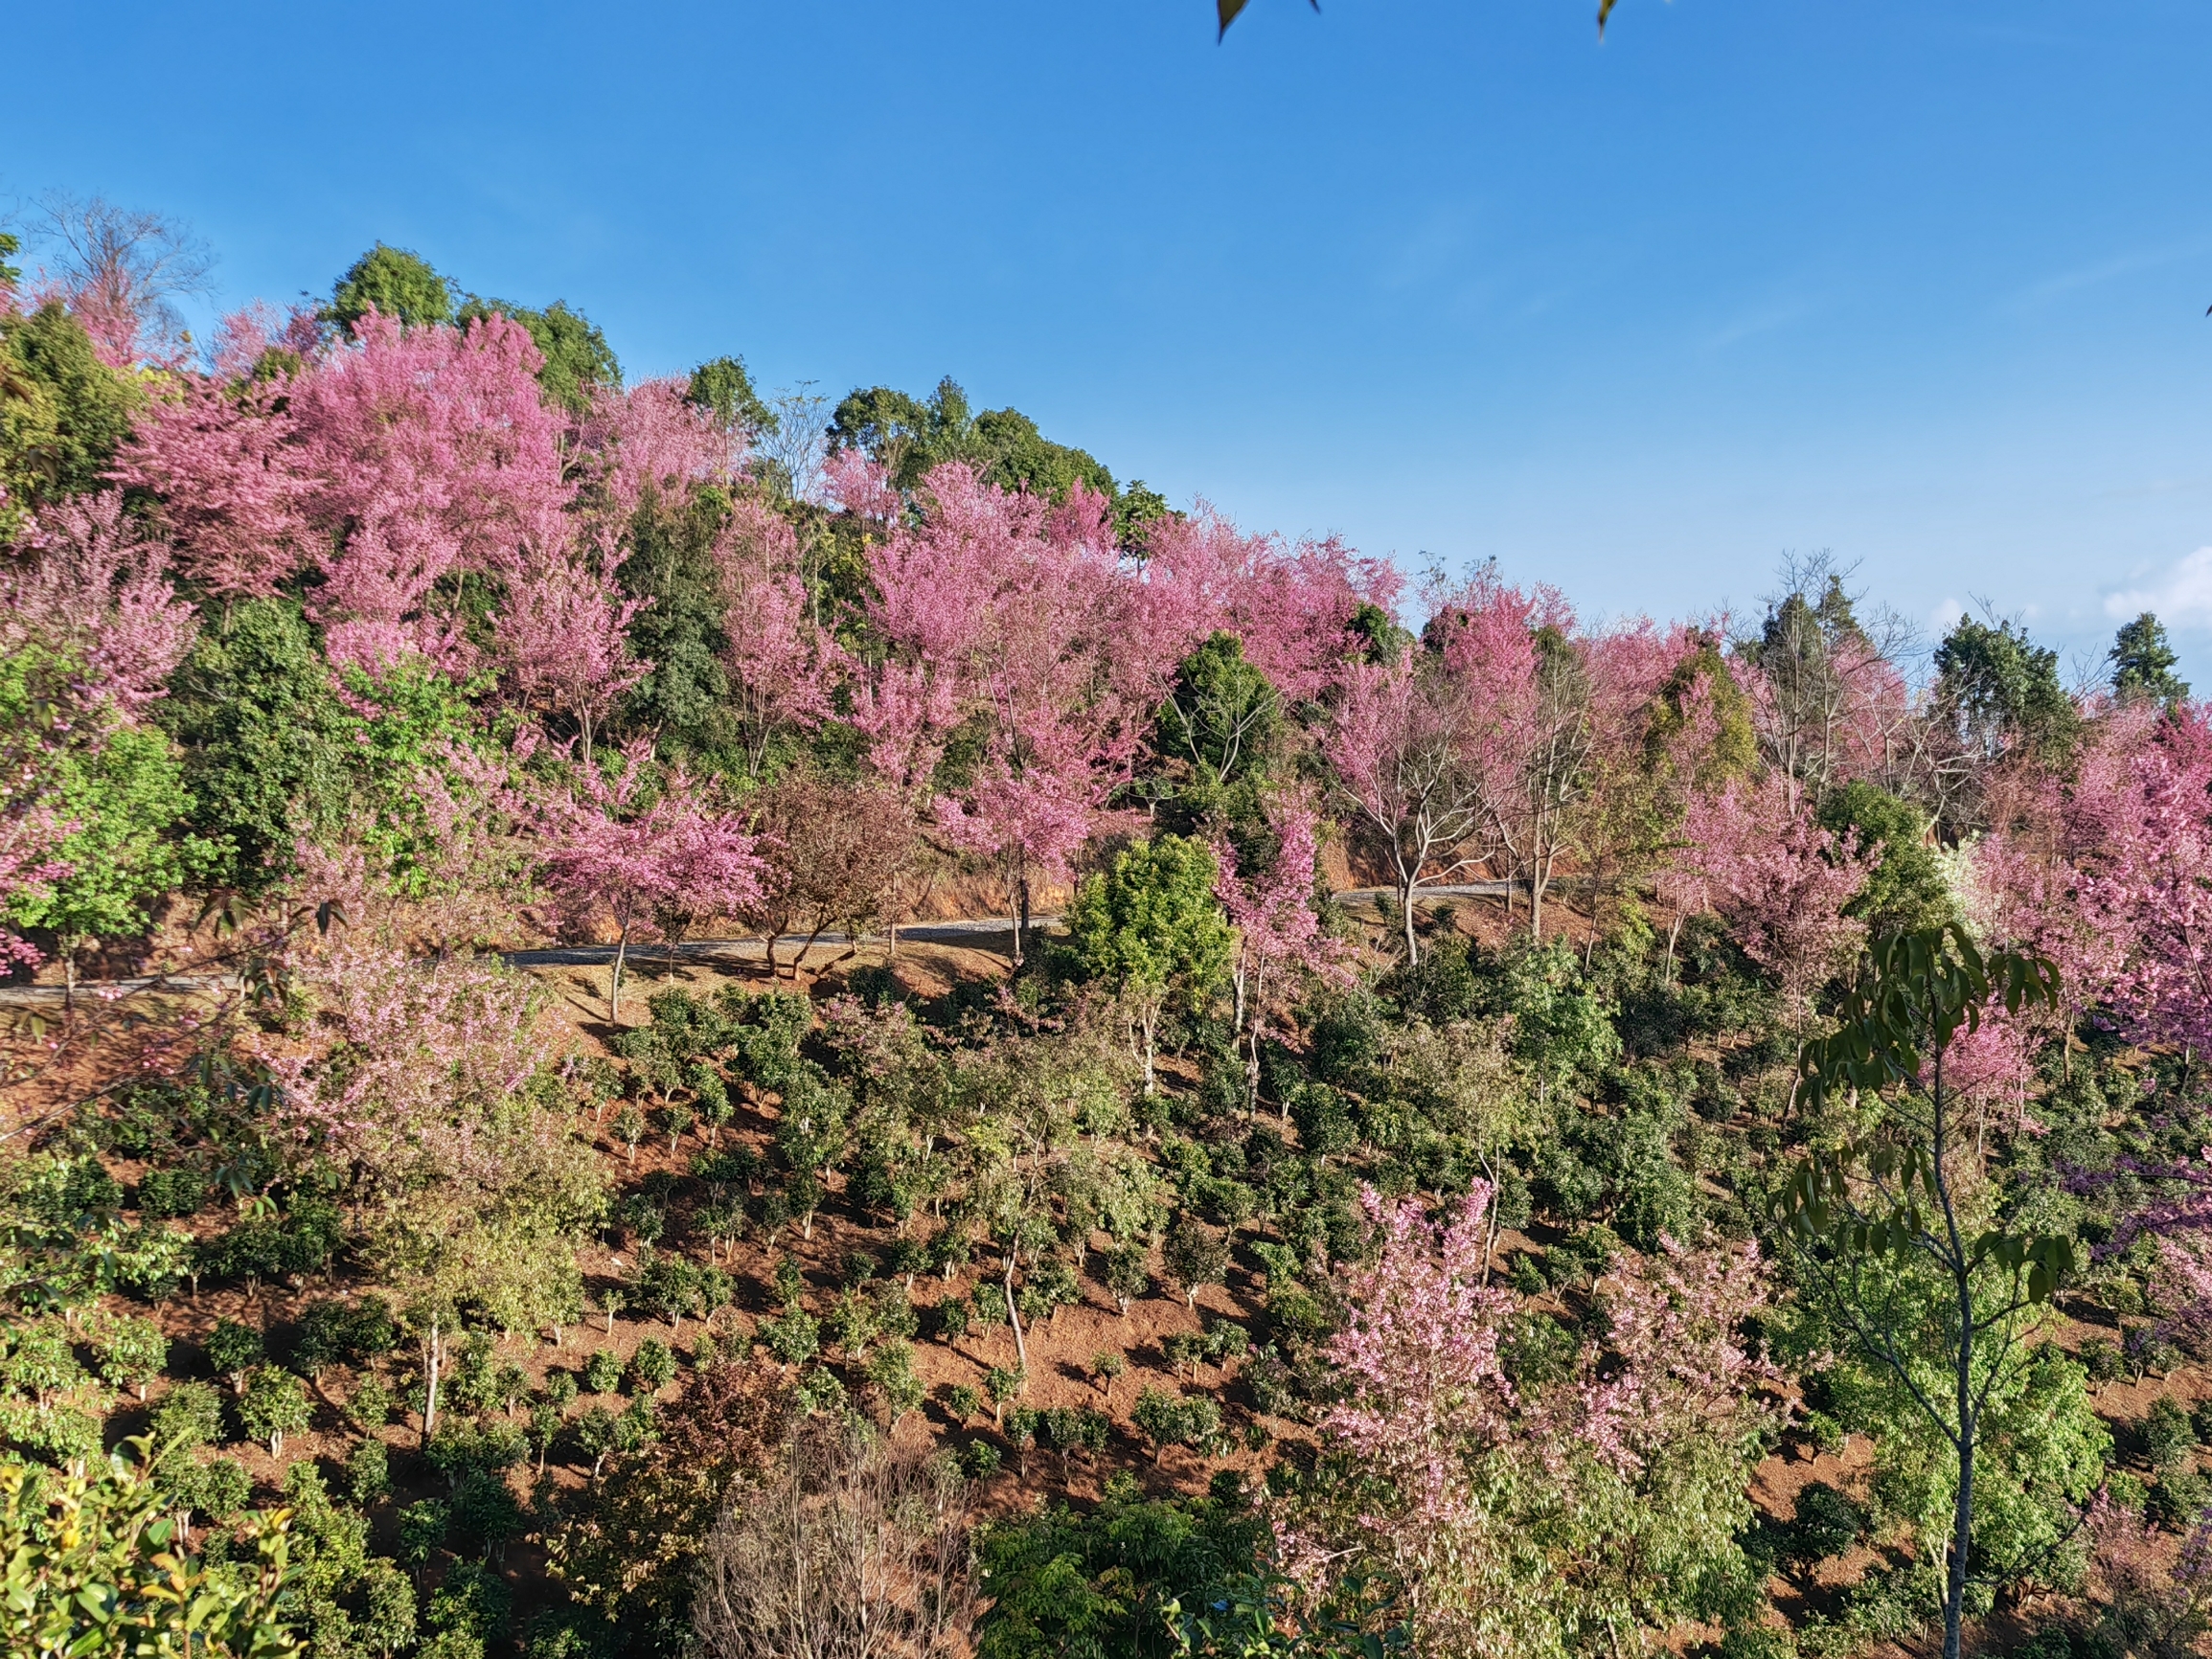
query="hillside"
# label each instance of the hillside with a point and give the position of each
(1457, 1129)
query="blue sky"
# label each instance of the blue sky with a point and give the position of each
(1921, 283)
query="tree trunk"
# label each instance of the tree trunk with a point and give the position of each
(1962, 1280)
(614, 991)
(1150, 1023)
(1406, 892)
(1014, 1317)
(430, 1397)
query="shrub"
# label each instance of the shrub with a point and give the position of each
(603, 1372)
(332, 1331)
(962, 1401)
(891, 1371)
(485, 1509)
(794, 1338)
(368, 1471)
(371, 1406)
(1226, 1340)
(474, 1600)
(990, 1300)
(818, 1390)
(130, 1352)
(1827, 1524)
(218, 1490)
(1538, 1349)
(273, 1405)
(1127, 1275)
(2168, 1439)
(1002, 1382)
(2100, 1357)
(652, 1365)
(790, 1284)
(423, 1529)
(2179, 1499)
(167, 1194)
(1069, 1428)
(190, 1416)
(1323, 1118)
(1194, 1256)
(1185, 1350)
(952, 1318)
(1168, 1420)
(459, 1450)
(852, 1321)
(234, 1350)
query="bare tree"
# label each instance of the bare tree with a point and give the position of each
(845, 1548)
(123, 269)
(796, 442)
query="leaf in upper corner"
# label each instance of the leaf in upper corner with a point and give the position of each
(1228, 12)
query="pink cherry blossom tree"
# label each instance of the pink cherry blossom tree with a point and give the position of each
(1277, 931)
(614, 848)
(1406, 747)
(562, 635)
(29, 834)
(2105, 874)
(1484, 1489)
(1010, 616)
(90, 585)
(1777, 879)
(223, 456)
(431, 452)
(2149, 883)
(782, 668)
(648, 439)
(1292, 606)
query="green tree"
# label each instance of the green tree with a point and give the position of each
(90, 1563)
(2143, 664)
(267, 752)
(1103, 1582)
(723, 387)
(62, 411)
(577, 355)
(2040, 1449)
(395, 281)
(1218, 734)
(1904, 890)
(1194, 1256)
(907, 436)
(1892, 1234)
(683, 698)
(124, 792)
(1150, 927)
(2005, 691)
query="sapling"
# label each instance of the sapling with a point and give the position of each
(1104, 1367)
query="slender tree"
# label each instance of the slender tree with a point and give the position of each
(1869, 1218)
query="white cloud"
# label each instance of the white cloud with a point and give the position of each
(2183, 597)
(1944, 617)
